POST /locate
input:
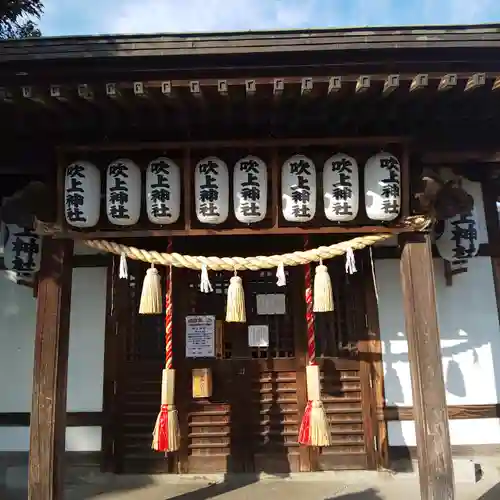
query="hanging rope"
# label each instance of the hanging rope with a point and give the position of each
(311, 341)
(238, 263)
(415, 223)
(168, 314)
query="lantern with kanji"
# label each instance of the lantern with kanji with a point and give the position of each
(82, 194)
(211, 183)
(459, 240)
(163, 191)
(22, 249)
(250, 190)
(298, 189)
(383, 187)
(123, 192)
(341, 188)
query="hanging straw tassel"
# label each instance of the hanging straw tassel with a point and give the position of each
(123, 273)
(151, 299)
(280, 275)
(323, 294)
(235, 308)
(314, 428)
(205, 285)
(166, 434)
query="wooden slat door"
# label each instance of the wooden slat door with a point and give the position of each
(346, 365)
(251, 421)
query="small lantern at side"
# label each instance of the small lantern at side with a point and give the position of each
(341, 188)
(22, 249)
(298, 189)
(250, 190)
(459, 240)
(82, 194)
(382, 187)
(163, 191)
(211, 182)
(123, 192)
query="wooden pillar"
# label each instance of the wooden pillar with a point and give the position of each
(48, 411)
(429, 395)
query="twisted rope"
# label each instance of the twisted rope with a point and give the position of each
(415, 223)
(311, 340)
(168, 315)
(237, 263)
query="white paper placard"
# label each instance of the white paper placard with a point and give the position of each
(271, 303)
(200, 336)
(258, 335)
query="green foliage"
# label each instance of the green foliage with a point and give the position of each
(18, 18)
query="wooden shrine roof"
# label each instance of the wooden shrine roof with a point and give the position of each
(311, 40)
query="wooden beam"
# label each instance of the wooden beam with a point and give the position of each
(391, 84)
(195, 88)
(250, 87)
(123, 147)
(306, 86)
(420, 82)
(424, 351)
(363, 83)
(141, 232)
(334, 84)
(448, 82)
(48, 410)
(475, 81)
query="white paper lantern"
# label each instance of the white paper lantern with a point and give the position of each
(163, 191)
(250, 190)
(459, 240)
(298, 189)
(383, 187)
(22, 249)
(123, 192)
(341, 188)
(82, 194)
(211, 182)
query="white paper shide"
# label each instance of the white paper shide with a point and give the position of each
(459, 240)
(250, 190)
(22, 249)
(383, 187)
(123, 192)
(163, 191)
(211, 182)
(298, 189)
(341, 188)
(82, 194)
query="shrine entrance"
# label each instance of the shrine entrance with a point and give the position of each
(251, 421)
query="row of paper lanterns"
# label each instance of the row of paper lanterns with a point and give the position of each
(458, 242)
(341, 190)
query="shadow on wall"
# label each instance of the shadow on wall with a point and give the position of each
(470, 346)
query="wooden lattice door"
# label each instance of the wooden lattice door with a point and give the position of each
(251, 422)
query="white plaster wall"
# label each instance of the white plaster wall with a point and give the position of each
(86, 355)
(470, 344)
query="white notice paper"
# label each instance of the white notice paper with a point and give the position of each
(258, 336)
(200, 336)
(271, 303)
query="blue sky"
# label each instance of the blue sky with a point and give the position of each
(80, 17)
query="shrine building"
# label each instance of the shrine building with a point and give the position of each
(265, 252)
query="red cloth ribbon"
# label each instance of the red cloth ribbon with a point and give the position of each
(163, 429)
(305, 426)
